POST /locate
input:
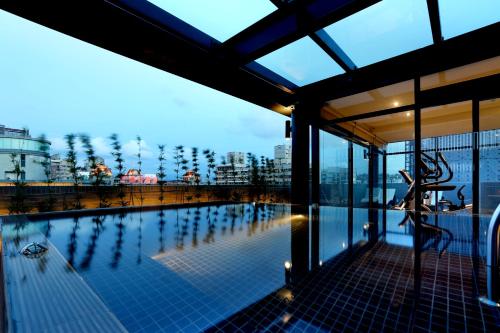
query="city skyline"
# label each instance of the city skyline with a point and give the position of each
(70, 85)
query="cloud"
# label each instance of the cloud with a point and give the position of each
(131, 149)
(263, 125)
(101, 146)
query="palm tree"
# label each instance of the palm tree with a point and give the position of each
(96, 174)
(178, 158)
(47, 204)
(196, 169)
(139, 168)
(161, 171)
(72, 161)
(117, 154)
(18, 201)
(210, 156)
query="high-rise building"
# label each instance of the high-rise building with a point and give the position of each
(234, 172)
(26, 150)
(283, 164)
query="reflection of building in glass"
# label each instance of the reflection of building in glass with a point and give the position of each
(28, 153)
(457, 150)
(334, 175)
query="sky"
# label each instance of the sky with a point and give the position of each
(54, 84)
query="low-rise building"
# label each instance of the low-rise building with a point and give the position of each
(60, 169)
(27, 151)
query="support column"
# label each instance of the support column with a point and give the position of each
(418, 188)
(300, 192)
(315, 195)
(475, 176)
(372, 183)
(384, 195)
(350, 193)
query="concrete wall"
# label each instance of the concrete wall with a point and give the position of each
(33, 169)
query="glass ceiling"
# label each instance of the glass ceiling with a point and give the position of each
(221, 19)
(384, 30)
(461, 16)
(301, 62)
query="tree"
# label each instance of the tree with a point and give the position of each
(96, 174)
(178, 158)
(196, 169)
(139, 168)
(72, 161)
(117, 154)
(161, 171)
(47, 204)
(210, 157)
(18, 201)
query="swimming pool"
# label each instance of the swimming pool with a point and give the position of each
(180, 269)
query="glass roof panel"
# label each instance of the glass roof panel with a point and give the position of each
(383, 30)
(301, 62)
(220, 19)
(461, 16)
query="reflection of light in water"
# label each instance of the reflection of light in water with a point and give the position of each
(285, 294)
(286, 317)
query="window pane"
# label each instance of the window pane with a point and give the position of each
(301, 62)
(334, 193)
(361, 193)
(461, 16)
(220, 19)
(383, 30)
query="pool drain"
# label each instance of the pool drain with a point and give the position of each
(34, 250)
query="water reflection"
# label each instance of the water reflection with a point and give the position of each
(161, 230)
(116, 250)
(72, 243)
(97, 229)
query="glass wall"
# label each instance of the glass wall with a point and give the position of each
(453, 149)
(334, 188)
(489, 156)
(361, 193)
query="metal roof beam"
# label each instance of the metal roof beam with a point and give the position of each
(433, 8)
(289, 23)
(455, 52)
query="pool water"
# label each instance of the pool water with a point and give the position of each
(167, 270)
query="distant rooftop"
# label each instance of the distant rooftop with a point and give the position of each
(14, 132)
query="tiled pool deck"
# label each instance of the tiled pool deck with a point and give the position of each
(372, 290)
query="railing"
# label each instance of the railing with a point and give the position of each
(492, 261)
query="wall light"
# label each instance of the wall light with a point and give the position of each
(408, 113)
(396, 103)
